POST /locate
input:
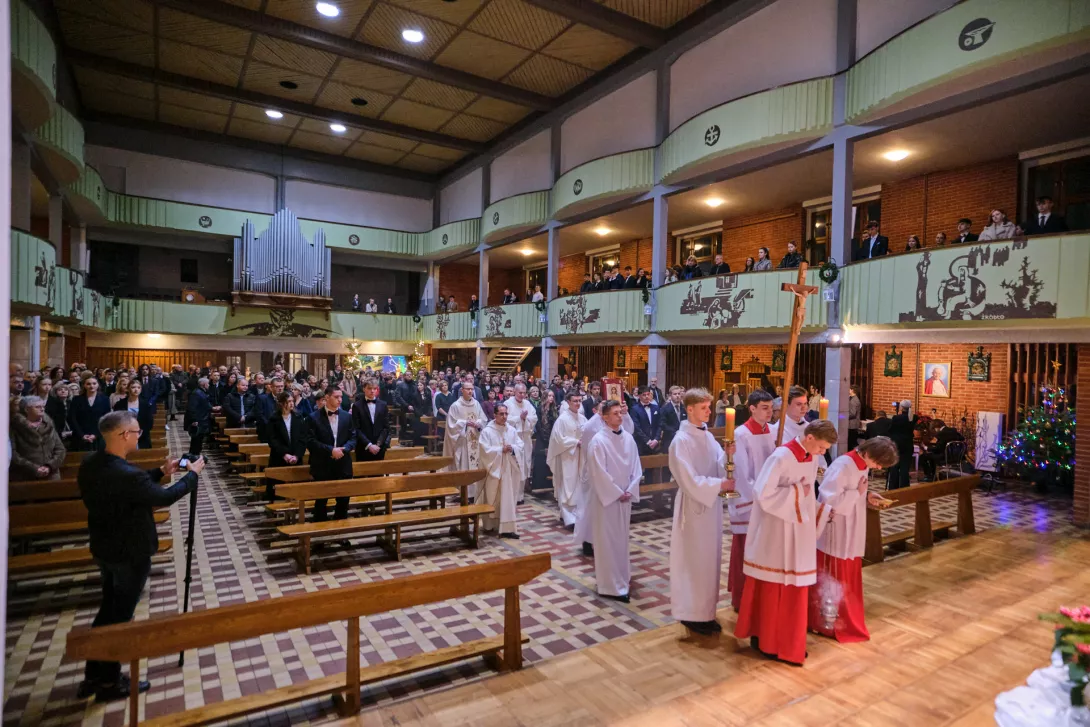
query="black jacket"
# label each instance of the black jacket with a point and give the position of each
(631, 282)
(721, 269)
(120, 498)
(901, 431)
(587, 287)
(970, 237)
(671, 423)
(83, 418)
(688, 273)
(878, 428)
(881, 247)
(282, 442)
(240, 411)
(644, 430)
(509, 299)
(144, 417)
(58, 412)
(389, 308)
(617, 283)
(1053, 225)
(370, 431)
(320, 443)
(944, 437)
(794, 259)
(198, 412)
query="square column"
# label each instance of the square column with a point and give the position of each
(656, 365)
(660, 241)
(838, 368)
(840, 237)
(35, 344)
(81, 254)
(431, 290)
(482, 282)
(21, 181)
(55, 351)
(482, 356)
(550, 361)
(553, 270)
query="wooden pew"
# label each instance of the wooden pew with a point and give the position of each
(155, 637)
(55, 518)
(159, 453)
(390, 523)
(66, 488)
(301, 473)
(61, 559)
(655, 462)
(923, 534)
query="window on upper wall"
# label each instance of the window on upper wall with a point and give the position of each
(233, 361)
(538, 276)
(1067, 182)
(189, 270)
(601, 259)
(296, 361)
(704, 246)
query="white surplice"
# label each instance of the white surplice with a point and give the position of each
(503, 481)
(524, 428)
(565, 458)
(793, 429)
(613, 468)
(845, 534)
(697, 462)
(584, 522)
(461, 441)
(753, 445)
(781, 544)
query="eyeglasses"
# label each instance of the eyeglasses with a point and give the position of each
(137, 432)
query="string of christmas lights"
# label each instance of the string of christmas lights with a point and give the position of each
(1045, 440)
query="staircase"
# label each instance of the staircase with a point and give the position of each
(507, 358)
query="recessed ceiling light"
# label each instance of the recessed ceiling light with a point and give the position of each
(527, 252)
(602, 231)
(412, 35)
(328, 9)
(713, 202)
(896, 155)
(290, 85)
(359, 101)
(338, 128)
(273, 114)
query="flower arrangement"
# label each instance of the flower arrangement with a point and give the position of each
(1073, 643)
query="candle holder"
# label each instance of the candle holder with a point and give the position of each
(730, 467)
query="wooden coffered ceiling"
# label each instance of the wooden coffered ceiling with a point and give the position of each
(484, 65)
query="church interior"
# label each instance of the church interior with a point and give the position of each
(319, 313)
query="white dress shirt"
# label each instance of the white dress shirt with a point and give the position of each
(334, 422)
(287, 424)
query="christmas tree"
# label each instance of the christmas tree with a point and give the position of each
(1042, 447)
(419, 360)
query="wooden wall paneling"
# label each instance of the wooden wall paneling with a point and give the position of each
(810, 365)
(1031, 368)
(112, 357)
(861, 374)
(594, 362)
(690, 366)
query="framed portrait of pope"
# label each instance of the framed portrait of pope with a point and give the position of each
(936, 380)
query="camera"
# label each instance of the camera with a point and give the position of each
(183, 463)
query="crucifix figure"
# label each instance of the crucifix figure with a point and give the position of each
(800, 290)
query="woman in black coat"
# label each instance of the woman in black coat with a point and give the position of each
(139, 406)
(84, 414)
(57, 407)
(422, 407)
(902, 430)
(287, 437)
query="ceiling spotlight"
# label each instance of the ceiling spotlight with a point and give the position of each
(273, 114)
(412, 35)
(602, 231)
(896, 155)
(527, 252)
(359, 101)
(328, 9)
(338, 128)
(713, 202)
(290, 85)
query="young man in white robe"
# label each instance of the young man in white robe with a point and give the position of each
(754, 442)
(584, 523)
(698, 464)
(614, 472)
(500, 447)
(465, 420)
(794, 415)
(781, 550)
(566, 457)
(522, 416)
(842, 499)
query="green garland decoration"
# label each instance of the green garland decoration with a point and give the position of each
(828, 271)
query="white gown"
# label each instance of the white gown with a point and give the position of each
(697, 462)
(751, 451)
(566, 459)
(461, 441)
(613, 468)
(524, 428)
(503, 481)
(584, 522)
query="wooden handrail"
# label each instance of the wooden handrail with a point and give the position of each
(930, 490)
(378, 485)
(173, 634)
(301, 473)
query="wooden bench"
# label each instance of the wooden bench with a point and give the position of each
(301, 473)
(923, 534)
(370, 469)
(62, 559)
(654, 483)
(159, 453)
(163, 636)
(55, 518)
(390, 523)
(436, 498)
(66, 488)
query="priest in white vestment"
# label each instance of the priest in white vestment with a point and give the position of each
(836, 602)
(754, 442)
(566, 457)
(522, 417)
(500, 453)
(465, 420)
(781, 548)
(697, 462)
(614, 472)
(584, 523)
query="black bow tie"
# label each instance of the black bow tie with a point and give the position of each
(331, 414)
(370, 401)
(704, 428)
(618, 432)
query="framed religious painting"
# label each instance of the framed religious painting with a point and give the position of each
(779, 359)
(980, 365)
(893, 366)
(726, 359)
(936, 380)
(622, 357)
(613, 389)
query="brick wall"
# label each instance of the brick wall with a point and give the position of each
(742, 236)
(460, 280)
(1081, 506)
(572, 268)
(500, 278)
(966, 396)
(933, 203)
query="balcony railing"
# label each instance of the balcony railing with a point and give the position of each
(33, 272)
(603, 314)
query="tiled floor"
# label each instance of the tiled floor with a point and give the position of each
(234, 562)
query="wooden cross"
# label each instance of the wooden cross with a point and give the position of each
(800, 290)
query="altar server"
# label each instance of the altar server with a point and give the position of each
(836, 603)
(501, 450)
(697, 462)
(465, 420)
(780, 563)
(793, 416)
(566, 457)
(584, 523)
(614, 473)
(754, 442)
(522, 417)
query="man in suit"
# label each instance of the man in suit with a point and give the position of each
(629, 281)
(656, 393)
(240, 406)
(673, 414)
(872, 245)
(617, 282)
(648, 424)
(371, 420)
(474, 304)
(389, 307)
(879, 427)
(902, 430)
(592, 399)
(509, 297)
(936, 452)
(587, 287)
(719, 267)
(198, 416)
(331, 439)
(964, 234)
(452, 305)
(1045, 223)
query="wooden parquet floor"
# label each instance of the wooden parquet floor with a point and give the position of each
(950, 629)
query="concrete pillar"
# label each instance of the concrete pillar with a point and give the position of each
(550, 360)
(55, 351)
(22, 343)
(840, 236)
(6, 221)
(21, 179)
(482, 356)
(656, 365)
(430, 290)
(35, 344)
(660, 239)
(81, 254)
(482, 280)
(838, 368)
(553, 272)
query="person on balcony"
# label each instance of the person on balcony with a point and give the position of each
(940, 239)
(871, 246)
(389, 307)
(1045, 223)
(750, 265)
(588, 284)
(913, 244)
(452, 305)
(764, 260)
(371, 307)
(1000, 228)
(538, 296)
(691, 270)
(964, 233)
(628, 282)
(474, 304)
(719, 267)
(509, 297)
(643, 279)
(356, 303)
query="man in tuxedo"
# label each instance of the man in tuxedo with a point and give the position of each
(371, 420)
(389, 307)
(648, 424)
(673, 414)
(331, 441)
(198, 416)
(872, 245)
(629, 280)
(965, 225)
(587, 287)
(592, 399)
(240, 406)
(266, 408)
(1045, 223)
(656, 393)
(879, 427)
(719, 267)
(509, 297)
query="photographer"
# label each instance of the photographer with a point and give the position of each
(198, 415)
(120, 499)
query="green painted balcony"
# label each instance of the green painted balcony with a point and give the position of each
(68, 296)
(60, 143)
(517, 321)
(602, 181)
(33, 68)
(510, 216)
(607, 314)
(745, 302)
(447, 327)
(33, 273)
(998, 284)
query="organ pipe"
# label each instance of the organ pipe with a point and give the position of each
(281, 260)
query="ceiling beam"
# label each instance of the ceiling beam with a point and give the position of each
(230, 93)
(257, 22)
(607, 20)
